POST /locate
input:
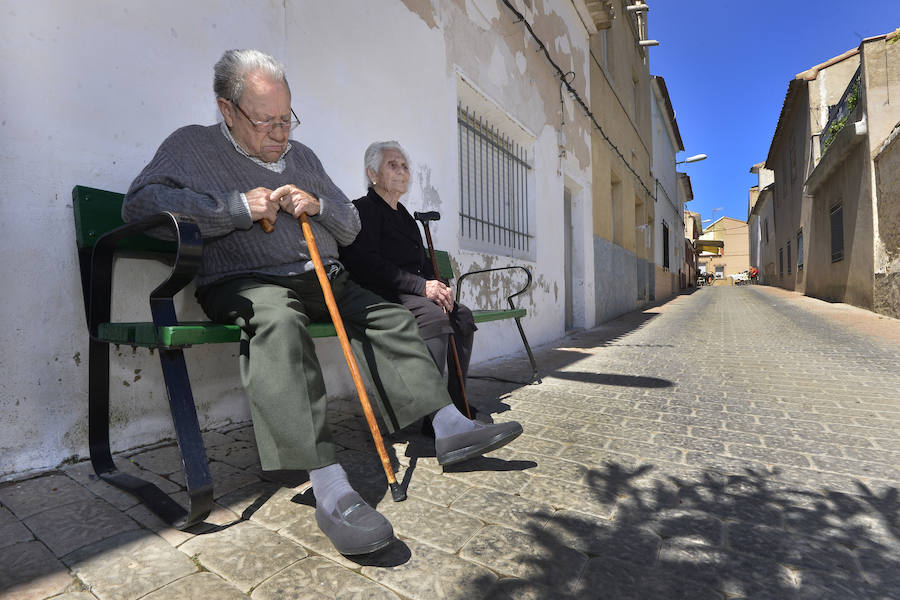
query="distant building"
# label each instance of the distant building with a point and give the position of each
(734, 252)
(761, 223)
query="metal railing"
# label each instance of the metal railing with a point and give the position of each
(493, 185)
(839, 114)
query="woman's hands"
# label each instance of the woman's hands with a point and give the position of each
(440, 294)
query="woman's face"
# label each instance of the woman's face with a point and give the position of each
(393, 174)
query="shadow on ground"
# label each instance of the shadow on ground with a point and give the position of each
(718, 537)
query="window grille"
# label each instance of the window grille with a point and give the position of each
(493, 185)
(781, 261)
(837, 233)
(788, 246)
(665, 235)
(800, 250)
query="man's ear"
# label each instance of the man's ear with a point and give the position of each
(227, 111)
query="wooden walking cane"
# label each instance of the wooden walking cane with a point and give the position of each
(424, 218)
(397, 492)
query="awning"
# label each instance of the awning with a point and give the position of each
(711, 246)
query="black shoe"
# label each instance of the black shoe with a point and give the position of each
(481, 440)
(354, 527)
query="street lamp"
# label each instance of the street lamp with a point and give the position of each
(690, 159)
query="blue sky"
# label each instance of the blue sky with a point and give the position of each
(727, 66)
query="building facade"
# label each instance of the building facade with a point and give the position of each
(828, 239)
(733, 255)
(621, 149)
(669, 251)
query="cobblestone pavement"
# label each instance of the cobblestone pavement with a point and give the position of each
(736, 442)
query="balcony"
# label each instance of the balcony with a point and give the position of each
(839, 114)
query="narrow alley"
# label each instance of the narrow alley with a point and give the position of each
(734, 442)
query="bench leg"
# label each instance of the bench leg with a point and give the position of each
(534, 369)
(198, 477)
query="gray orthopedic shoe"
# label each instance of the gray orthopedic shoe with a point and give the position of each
(481, 440)
(354, 527)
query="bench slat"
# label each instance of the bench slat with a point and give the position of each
(482, 316)
(190, 333)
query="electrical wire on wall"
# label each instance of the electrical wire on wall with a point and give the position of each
(563, 76)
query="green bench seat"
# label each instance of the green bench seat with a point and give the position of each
(101, 236)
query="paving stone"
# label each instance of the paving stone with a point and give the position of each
(320, 578)
(507, 476)
(220, 552)
(432, 524)
(240, 454)
(72, 526)
(225, 478)
(421, 572)
(129, 565)
(561, 494)
(535, 558)
(437, 488)
(512, 588)
(11, 530)
(29, 571)
(26, 498)
(496, 508)
(219, 516)
(83, 473)
(198, 585)
(162, 461)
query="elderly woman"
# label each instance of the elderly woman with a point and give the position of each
(389, 258)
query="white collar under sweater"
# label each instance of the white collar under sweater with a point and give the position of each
(277, 166)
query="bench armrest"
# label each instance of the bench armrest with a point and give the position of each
(509, 268)
(187, 263)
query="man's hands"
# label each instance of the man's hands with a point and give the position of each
(440, 294)
(295, 201)
(261, 206)
(265, 203)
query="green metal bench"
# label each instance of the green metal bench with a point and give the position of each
(100, 236)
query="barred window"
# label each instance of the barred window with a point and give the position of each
(837, 233)
(665, 235)
(494, 211)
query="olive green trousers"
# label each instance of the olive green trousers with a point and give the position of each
(282, 375)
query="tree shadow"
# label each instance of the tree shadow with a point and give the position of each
(713, 535)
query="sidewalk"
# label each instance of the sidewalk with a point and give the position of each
(734, 442)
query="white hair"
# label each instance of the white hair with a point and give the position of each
(375, 154)
(229, 72)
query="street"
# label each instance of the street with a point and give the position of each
(733, 442)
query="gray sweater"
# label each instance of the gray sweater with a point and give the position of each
(198, 172)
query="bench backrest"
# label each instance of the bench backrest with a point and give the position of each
(99, 211)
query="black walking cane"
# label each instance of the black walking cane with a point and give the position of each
(424, 218)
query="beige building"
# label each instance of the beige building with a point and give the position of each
(836, 115)
(621, 147)
(734, 255)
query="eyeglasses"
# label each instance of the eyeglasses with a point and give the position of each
(268, 126)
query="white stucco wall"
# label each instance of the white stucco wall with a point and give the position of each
(668, 206)
(91, 88)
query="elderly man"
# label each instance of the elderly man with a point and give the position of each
(229, 176)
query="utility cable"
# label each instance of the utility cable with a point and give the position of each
(562, 76)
